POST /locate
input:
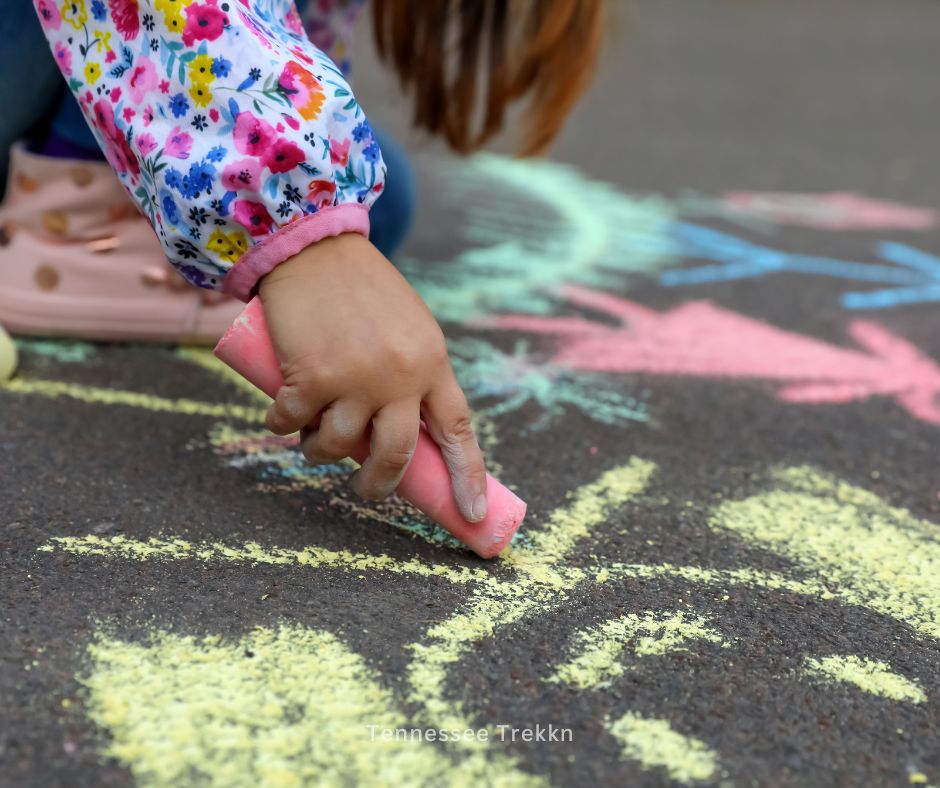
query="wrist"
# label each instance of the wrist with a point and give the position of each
(336, 253)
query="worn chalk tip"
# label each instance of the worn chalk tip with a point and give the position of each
(8, 356)
(502, 531)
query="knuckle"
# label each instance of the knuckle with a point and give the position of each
(320, 380)
(437, 353)
(308, 378)
(344, 432)
(289, 406)
(298, 369)
(276, 420)
(394, 461)
(405, 361)
(459, 430)
(329, 447)
(284, 412)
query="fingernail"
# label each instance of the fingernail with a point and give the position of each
(353, 483)
(478, 509)
(316, 459)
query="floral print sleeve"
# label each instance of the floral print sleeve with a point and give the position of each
(238, 138)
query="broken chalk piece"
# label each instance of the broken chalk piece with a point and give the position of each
(7, 356)
(246, 348)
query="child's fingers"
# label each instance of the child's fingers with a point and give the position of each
(293, 408)
(341, 427)
(448, 419)
(394, 436)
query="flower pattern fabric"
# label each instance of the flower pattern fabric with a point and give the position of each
(224, 122)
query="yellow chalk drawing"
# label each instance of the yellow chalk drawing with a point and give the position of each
(871, 676)
(656, 745)
(202, 357)
(254, 553)
(599, 651)
(843, 544)
(870, 553)
(539, 587)
(487, 435)
(134, 399)
(589, 508)
(493, 604)
(492, 607)
(284, 707)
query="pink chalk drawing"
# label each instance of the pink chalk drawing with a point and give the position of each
(700, 339)
(830, 211)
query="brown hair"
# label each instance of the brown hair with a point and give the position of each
(542, 49)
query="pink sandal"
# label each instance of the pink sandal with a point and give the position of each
(77, 259)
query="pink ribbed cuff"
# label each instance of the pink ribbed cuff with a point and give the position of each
(271, 251)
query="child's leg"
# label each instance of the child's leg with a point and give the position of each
(69, 134)
(30, 83)
(391, 217)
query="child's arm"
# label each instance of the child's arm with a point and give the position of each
(243, 145)
(238, 139)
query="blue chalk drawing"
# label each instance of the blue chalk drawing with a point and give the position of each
(922, 292)
(511, 380)
(915, 277)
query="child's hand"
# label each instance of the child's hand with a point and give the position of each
(356, 342)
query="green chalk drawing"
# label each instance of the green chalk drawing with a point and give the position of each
(432, 533)
(570, 228)
(598, 652)
(872, 676)
(59, 349)
(514, 379)
(656, 745)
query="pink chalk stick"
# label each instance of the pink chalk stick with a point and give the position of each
(246, 348)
